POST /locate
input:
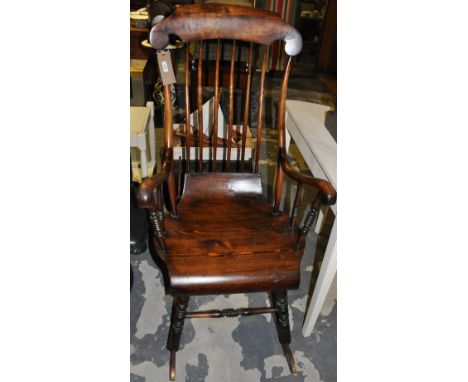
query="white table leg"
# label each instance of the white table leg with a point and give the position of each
(144, 163)
(325, 278)
(318, 224)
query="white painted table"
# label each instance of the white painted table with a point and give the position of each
(305, 123)
(141, 124)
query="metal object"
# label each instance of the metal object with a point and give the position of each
(172, 366)
(289, 358)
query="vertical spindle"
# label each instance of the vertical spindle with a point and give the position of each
(231, 105)
(160, 206)
(158, 232)
(168, 143)
(246, 106)
(200, 107)
(216, 106)
(260, 109)
(157, 219)
(280, 123)
(179, 176)
(187, 108)
(309, 220)
(293, 224)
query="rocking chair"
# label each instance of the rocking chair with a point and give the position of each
(223, 236)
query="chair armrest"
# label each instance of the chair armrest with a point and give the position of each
(327, 191)
(144, 193)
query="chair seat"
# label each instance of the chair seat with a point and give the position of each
(226, 239)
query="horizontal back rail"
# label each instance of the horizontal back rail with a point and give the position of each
(220, 21)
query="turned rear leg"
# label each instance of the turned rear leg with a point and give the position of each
(280, 302)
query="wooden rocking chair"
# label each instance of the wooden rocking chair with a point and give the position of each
(224, 236)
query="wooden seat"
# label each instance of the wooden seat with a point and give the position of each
(227, 239)
(223, 236)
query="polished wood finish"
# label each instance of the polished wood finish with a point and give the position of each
(260, 109)
(179, 177)
(216, 107)
(145, 192)
(167, 118)
(309, 220)
(168, 147)
(158, 229)
(226, 239)
(281, 121)
(209, 21)
(224, 236)
(179, 309)
(187, 108)
(281, 115)
(231, 104)
(280, 302)
(293, 224)
(200, 105)
(216, 313)
(327, 191)
(246, 106)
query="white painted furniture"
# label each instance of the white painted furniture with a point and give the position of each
(137, 82)
(141, 125)
(305, 123)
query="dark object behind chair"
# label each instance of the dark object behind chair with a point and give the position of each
(138, 225)
(138, 221)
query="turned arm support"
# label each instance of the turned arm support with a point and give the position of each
(327, 191)
(146, 191)
(326, 196)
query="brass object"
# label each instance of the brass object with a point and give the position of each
(289, 357)
(172, 364)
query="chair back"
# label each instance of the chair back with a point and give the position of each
(231, 32)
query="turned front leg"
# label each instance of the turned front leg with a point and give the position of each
(179, 309)
(280, 302)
